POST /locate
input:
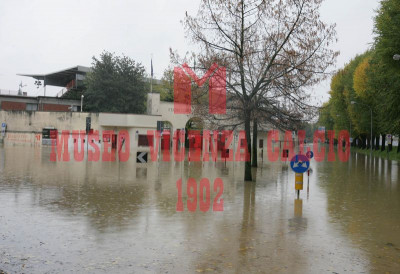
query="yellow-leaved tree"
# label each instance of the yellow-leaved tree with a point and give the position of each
(360, 79)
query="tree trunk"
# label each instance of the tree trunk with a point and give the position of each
(247, 167)
(398, 145)
(377, 143)
(255, 130)
(383, 142)
(390, 144)
(363, 142)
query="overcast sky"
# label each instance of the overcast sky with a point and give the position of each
(42, 36)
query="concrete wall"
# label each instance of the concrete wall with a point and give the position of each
(128, 120)
(35, 121)
(25, 127)
(178, 121)
(166, 110)
(153, 103)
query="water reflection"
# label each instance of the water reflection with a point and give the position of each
(365, 200)
(298, 223)
(121, 217)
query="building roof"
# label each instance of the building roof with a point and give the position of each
(60, 78)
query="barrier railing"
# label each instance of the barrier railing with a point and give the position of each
(62, 92)
(8, 92)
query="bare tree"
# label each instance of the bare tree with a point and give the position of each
(272, 50)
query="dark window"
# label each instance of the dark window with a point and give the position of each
(49, 133)
(46, 133)
(31, 107)
(144, 142)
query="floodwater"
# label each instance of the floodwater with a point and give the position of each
(122, 217)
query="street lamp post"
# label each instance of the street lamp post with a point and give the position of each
(82, 102)
(354, 102)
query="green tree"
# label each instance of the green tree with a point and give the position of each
(386, 72)
(338, 102)
(372, 79)
(325, 118)
(115, 84)
(352, 84)
(166, 86)
(364, 96)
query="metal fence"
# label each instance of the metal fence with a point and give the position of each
(8, 92)
(61, 92)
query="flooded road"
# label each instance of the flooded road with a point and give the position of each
(122, 217)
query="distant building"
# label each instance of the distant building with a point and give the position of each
(32, 120)
(69, 79)
(40, 103)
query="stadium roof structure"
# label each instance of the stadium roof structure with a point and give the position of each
(70, 79)
(61, 78)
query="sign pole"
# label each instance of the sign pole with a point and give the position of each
(298, 183)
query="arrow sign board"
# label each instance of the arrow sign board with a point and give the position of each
(141, 157)
(310, 154)
(300, 163)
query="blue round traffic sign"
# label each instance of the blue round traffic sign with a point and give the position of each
(300, 163)
(310, 154)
